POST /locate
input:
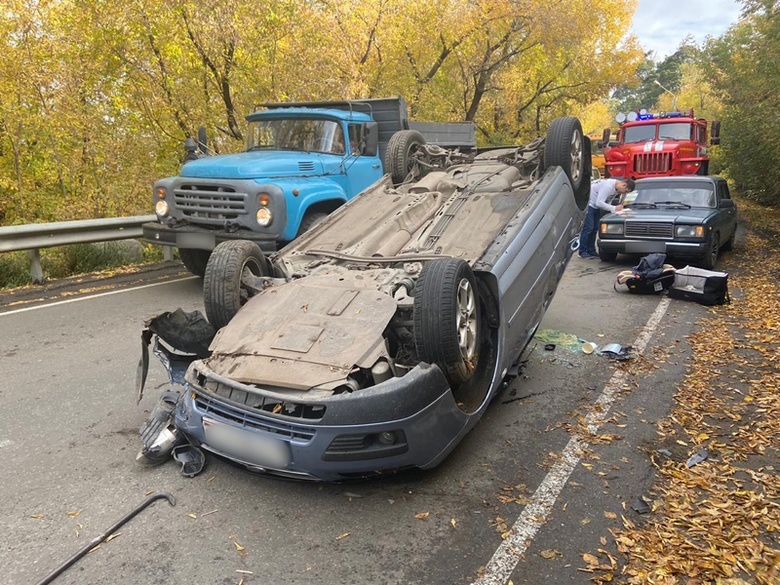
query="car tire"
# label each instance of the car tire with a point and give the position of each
(564, 147)
(195, 260)
(309, 220)
(708, 262)
(729, 245)
(400, 148)
(223, 291)
(607, 256)
(447, 318)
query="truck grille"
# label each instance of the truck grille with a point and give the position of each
(653, 163)
(638, 229)
(204, 201)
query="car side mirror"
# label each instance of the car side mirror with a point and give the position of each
(715, 133)
(726, 203)
(370, 141)
(605, 137)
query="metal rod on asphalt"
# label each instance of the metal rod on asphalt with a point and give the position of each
(96, 541)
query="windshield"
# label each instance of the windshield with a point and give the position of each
(666, 131)
(308, 135)
(698, 196)
(674, 131)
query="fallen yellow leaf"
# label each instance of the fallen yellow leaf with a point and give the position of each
(422, 515)
(550, 553)
(342, 536)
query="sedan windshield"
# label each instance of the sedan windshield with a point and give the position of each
(309, 135)
(698, 196)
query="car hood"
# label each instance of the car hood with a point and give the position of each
(305, 334)
(694, 215)
(257, 164)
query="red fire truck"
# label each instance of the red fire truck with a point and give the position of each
(659, 145)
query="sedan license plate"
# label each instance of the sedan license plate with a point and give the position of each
(247, 446)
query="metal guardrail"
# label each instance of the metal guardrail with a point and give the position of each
(33, 237)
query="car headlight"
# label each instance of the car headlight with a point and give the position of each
(612, 228)
(161, 208)
(689, 231)
(264, 217)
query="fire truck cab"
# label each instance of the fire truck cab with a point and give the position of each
(659, 145)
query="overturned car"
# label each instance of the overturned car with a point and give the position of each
(376, 340)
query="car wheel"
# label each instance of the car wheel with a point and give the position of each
(564, 147)
(446, 318)
(400, 148)
(708, 262)
(607, 256)
(195, 260)
(729, 245)
(225, 287)
(309, 220)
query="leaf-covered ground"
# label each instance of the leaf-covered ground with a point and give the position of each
(718, 521)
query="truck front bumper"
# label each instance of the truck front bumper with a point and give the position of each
(195, 237)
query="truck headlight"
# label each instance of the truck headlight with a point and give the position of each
(689, 231)
(161, 208)
(612, 228)
(264, 217)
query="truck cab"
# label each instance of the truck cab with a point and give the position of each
(301, 162)
(660, 145)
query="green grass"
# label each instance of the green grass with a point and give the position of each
(68, 261)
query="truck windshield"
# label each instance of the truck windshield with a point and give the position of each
(309, 135)
(674, 131)
(639, 133)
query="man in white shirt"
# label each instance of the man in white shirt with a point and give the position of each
(601, 193)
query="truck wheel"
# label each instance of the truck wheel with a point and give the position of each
(225, 288)
(398, 159)
(708, 262)
(564, 147)
(704, 169)
(446, 318)
(195, 260)
(309, 220)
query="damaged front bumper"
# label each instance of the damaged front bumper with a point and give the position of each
(412, 421)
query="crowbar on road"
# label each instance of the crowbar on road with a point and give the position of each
(97, 540)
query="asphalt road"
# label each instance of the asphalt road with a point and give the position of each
(520, 499)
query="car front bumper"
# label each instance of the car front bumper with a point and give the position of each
(634, 246)
(195, 237)
(418, 410)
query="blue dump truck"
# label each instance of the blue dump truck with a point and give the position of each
(302, 161)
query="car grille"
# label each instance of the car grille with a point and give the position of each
(638, 229)
(208, 405)
(204, 201)
(653, 163)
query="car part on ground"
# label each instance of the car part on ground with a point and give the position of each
(377, 339)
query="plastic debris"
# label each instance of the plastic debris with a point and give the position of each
(640, 506)
(697, 457)
(191, 458)
(549, 346)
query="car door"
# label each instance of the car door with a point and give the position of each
(727, 220)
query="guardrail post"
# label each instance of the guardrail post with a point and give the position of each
(36, 272)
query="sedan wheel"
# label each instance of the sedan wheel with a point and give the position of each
(708, 262)
(447, 319)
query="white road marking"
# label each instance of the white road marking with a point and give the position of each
(535, 514)
(103, 294)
